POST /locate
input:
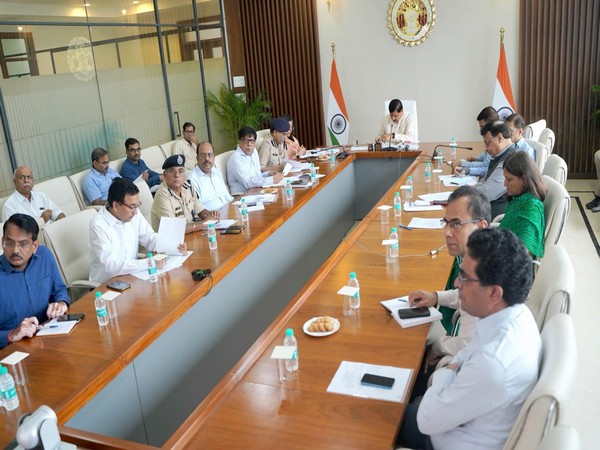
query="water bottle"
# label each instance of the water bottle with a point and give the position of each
(152, 269)
(355, 299)
(212, 236)
(313, 173)
(439, 159)
(8, 391)
(244, 210)
(409, 192)
(393, 248)
(332, 157)
(397, 205)
(289, 191)
(101, 313)
(453, 145)
(291, 364)
(427, 172)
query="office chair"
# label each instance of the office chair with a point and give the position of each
(557, 205)
(556, 168)
(533, 130)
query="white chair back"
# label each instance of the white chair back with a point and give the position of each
(533, 130)
(168, 148)
(410, 106)
(541, 153)
(557, 206)
(548, 139)
(154, 158)
(554, 286)
(68, 240)
(556, 168)
(2, 202)
(1, 234)
(146, 199)
(116, 164)
(261, 135)
(221, 161)
(545, 404)
(77, 183)
(60, 190)
(561, 437)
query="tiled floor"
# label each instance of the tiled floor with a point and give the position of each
(584, 410)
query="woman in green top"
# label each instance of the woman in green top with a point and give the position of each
(526, 191)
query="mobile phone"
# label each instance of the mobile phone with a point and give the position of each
(231, 230)
(69, 317)
(413, 313)
(379, 381)
(119, 285)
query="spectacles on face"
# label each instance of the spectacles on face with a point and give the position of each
(25, 177)
(134, 150)
(103, 163)
(206, 155)
(456, 224)
(249, 141)
(188, 131)
(462, 278)
(131, 207)
(10, 244)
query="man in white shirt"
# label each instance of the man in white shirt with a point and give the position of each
(474, 402)
(207, 179)
(26, 201)
(187, 145)
(243, 168)
(398, 126)
(116, 232)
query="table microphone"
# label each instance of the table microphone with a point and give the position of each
(448, 146)
(389, 148)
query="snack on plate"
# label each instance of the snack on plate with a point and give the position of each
(322, 158)
(322, 324)
(269, 190)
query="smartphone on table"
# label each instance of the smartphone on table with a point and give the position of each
(70, 317)
(379, 381)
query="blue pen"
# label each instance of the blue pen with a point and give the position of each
(405, 227)
(53, 326)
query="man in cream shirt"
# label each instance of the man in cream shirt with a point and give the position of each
(207, 179)
(398, 126)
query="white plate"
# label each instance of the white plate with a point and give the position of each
(336, 326)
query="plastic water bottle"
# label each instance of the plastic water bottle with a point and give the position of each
(212, 236)
(101, 313)
(427, 172)
(332, 157)
(453, 145)
(397, 205)
(409, 192)
(355, 299)
(152, 269)
(393, 248)
(313, 173)
(289, 191)
(439, 159)
(8, 391)
(244, 209)
(291, 364)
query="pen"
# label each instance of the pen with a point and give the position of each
(405, 227)
(53, 326)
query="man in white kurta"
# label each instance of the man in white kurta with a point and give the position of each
(398, 126)
(207, 179)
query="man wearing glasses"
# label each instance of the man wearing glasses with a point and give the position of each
(116, 233)
(516, 124)
(467, 211)
(474, 402)
(207, 179)
(134, 166)
(243, 168)
(96, 183)
(32, 289)
(27, 201)
(187, 145)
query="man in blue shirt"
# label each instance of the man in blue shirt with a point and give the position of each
(517, 124)
(96, 183)
(134, 166)
(32, 289)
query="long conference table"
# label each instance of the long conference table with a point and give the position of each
(187, 364)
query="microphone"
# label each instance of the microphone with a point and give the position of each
(448, 146)
(389, 148)
(200, 274)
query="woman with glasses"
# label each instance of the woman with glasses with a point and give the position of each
(526, 192)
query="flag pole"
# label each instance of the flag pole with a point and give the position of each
(501, 37)
(333, 50)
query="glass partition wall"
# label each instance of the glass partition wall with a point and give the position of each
(80, 74)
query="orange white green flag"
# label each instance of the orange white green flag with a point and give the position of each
(503, 101)
(337, 115)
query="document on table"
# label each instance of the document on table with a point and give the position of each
(436, 197)
(297, 166)
(394, 304)
(346, 381)
(220, 224)
(54, 328)
(428, 224)
(454, 180)
(413, 207)
(260, 198)
(171, 232)
(173, 262)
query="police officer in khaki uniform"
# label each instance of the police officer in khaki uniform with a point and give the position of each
(273, 151)
(177, 198)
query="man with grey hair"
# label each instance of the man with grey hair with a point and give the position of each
(96, 183)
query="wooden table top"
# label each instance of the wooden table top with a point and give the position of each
(65, 372)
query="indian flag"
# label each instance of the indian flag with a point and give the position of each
(503, 101)
(337, 115)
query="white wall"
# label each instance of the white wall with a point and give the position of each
(451, 75)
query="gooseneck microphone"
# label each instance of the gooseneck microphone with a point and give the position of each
(390, 148)
(447, 146)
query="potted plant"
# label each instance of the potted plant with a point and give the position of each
(236, 110)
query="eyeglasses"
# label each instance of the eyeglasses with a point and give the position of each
(462, 278)
(206, 155)
(25, 177)
(135, 150)
(23, 245)
(188, 131)
(103, 163)
(249, 141)
(456, 223)
(131, 207)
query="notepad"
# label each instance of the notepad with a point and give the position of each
(55, 328)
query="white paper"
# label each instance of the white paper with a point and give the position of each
(438, 196)
(219, 225)
(384, 207)
(14, 358)
(263, 198)
(110, 295)
(394, 304)
(54, 327)
(347, 381)
(453, 180)
(358, 148)
(411, 207)
(297, 165)
(283, 352)
(257, 207)
(173, 262)
(348, 290)
(428, 224)
(171, 233)
(389, 241)
(286, 169)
